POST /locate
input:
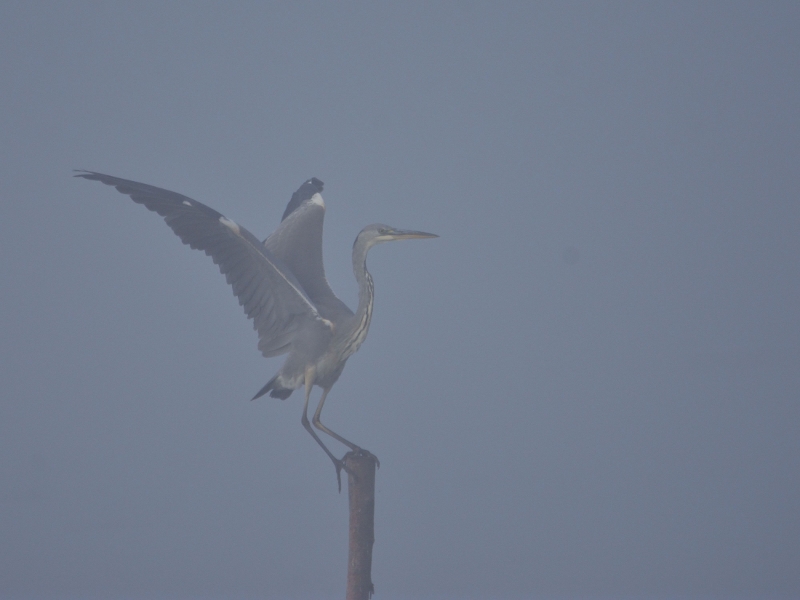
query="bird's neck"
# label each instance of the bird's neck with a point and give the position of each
(363, 314)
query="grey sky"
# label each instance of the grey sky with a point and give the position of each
(587, 387)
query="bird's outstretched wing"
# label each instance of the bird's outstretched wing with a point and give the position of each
(267, 289)
(298, 243)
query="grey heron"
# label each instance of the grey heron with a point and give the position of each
(281, 285)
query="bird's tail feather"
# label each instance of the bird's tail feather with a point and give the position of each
(275, 389)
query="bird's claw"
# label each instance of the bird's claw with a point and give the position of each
(341, 466)
(361, 453)
(369, 454)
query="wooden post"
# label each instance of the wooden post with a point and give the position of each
(361, 491)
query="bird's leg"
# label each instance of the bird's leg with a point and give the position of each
(319, 425)
(304, 420)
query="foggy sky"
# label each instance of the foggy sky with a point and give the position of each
(586, 387)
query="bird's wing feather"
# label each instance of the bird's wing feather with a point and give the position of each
(298, 243)
(267, 289)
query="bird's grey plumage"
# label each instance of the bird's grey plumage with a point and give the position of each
(298, 243)
(267, 290)
(281, 284)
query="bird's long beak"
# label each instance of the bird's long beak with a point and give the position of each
(404, 234)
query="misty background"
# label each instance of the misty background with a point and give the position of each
(587, 387)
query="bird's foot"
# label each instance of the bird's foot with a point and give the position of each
(360, 458)
(361, 453)
(341, 466)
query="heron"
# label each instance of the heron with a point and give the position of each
(282, 287)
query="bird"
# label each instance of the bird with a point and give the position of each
(282, 287)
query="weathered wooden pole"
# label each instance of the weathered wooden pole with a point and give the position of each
(361, 491)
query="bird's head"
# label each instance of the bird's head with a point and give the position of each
(379, 233)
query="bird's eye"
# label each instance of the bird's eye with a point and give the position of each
(383, 231)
